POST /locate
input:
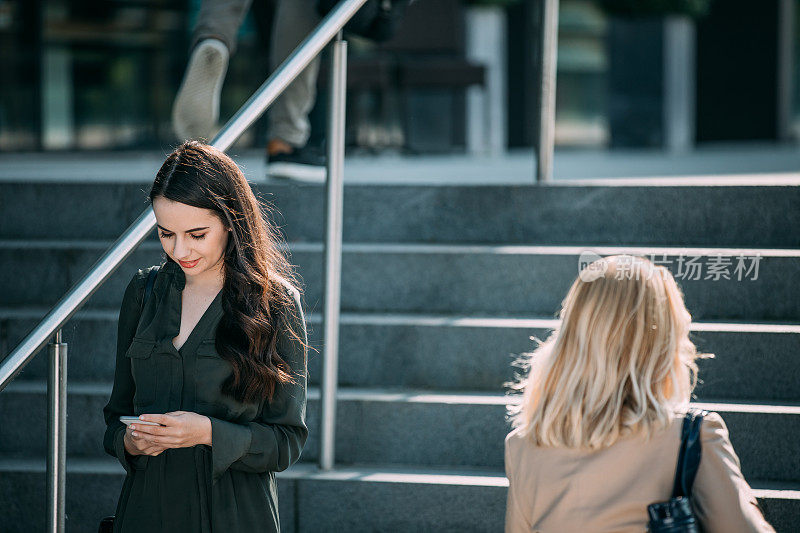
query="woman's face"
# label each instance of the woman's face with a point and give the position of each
(193, 237)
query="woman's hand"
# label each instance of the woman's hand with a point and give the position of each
(178, 429)
(137, 444)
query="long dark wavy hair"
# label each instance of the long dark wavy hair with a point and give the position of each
(253, 296)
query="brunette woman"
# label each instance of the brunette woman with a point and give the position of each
(217, 358)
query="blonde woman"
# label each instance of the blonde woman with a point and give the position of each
(597, 433)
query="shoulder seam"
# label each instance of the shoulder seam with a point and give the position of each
(139, 280)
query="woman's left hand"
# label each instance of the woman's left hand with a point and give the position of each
(178, 429)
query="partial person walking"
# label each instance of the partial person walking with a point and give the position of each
(216, 358)
(214, 40)
(598, 429)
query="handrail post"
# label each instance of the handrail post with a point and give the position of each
(56, 433)
(548, 24)
(333, 251)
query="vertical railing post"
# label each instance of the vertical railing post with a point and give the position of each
(56, 433)
(547, 90)
(333, 252)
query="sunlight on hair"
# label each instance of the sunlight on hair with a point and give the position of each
(619, 363)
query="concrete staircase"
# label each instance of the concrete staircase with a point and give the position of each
(442, 287)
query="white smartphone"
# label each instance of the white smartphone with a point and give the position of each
(128, 420)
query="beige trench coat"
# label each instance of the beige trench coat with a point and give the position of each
(565, 490)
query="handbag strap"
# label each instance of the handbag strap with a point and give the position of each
(689, 455)
(148, 286)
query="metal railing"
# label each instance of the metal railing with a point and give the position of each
(548, 43)
(329, 29)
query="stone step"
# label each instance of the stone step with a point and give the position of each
(93, 487)
(405, 427)
(754, 362)
(447, 279)
(641, 212)
(359, 498)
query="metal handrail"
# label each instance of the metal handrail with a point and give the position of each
(50, 326)
(548, 43)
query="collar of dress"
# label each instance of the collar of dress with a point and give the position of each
(177, 275)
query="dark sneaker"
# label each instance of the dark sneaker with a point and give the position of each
(302, 164)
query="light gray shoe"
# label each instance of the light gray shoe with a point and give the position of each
(196, 107)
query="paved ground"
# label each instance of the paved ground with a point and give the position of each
(749, 163)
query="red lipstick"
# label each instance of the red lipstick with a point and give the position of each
(190, 264)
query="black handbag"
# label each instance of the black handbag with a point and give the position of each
(377, 20)
(676, 515)
(107, 523)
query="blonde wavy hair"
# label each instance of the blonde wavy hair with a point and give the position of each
(620, 363)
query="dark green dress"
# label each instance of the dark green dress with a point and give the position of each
(229, 486)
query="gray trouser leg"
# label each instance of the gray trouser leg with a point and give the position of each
(220, 19)
(288, 115)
